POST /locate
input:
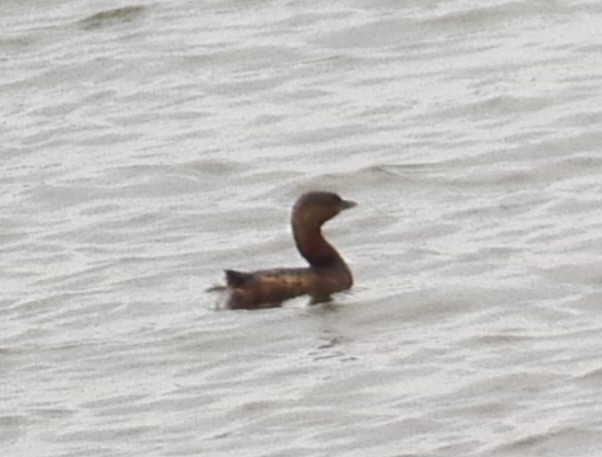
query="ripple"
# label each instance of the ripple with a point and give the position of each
(112, 17)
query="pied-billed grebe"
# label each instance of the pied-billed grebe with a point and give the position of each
(328, 273)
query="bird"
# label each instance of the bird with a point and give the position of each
(326, 274)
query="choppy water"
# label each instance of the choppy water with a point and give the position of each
(144, 149)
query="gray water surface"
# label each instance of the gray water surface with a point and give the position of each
(146, 146)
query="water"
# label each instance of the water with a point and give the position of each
(146, 148)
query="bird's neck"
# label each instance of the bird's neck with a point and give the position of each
(314, 248)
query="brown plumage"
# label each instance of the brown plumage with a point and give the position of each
(328, 273)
